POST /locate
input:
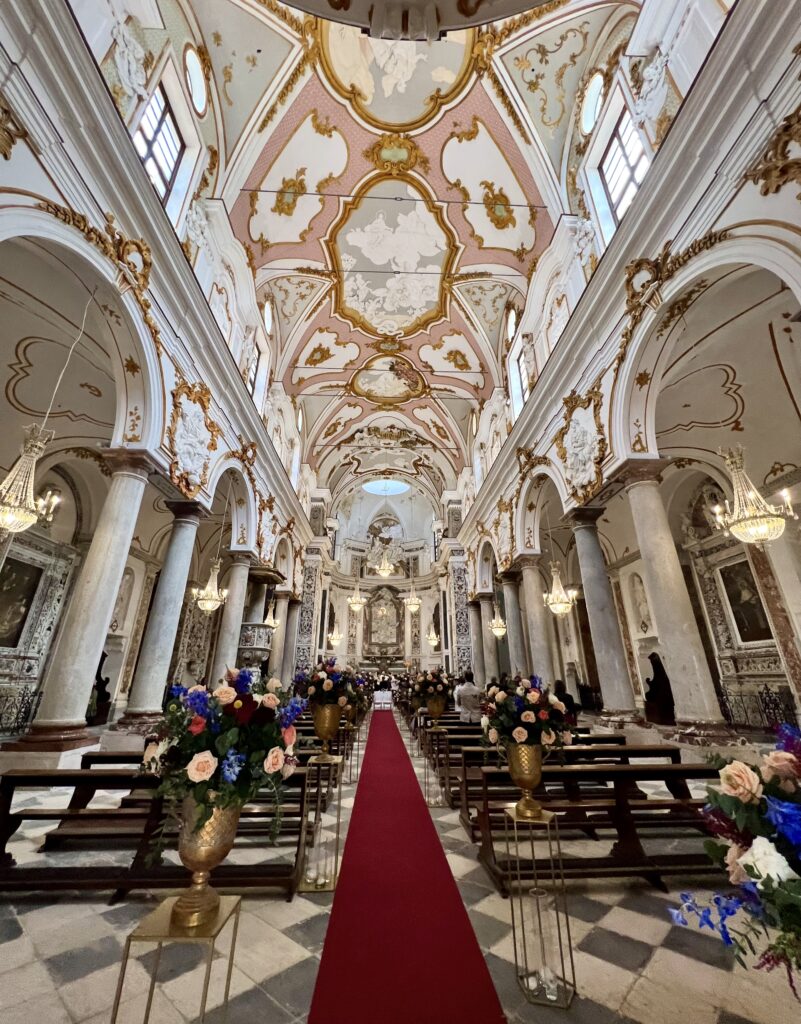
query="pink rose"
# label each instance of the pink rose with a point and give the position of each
(533, 696)
(273, 684)
(558, 705)
(270, 700)
(274, 761)
(342, 701)
(195, 688)
(783, 767)
(492, 735)
(202, 766)
(311, 691)
(519, 735)
(290, 735)
(439, 686)
(548, 738)
(741, 782)
(528, 716)
(225, 694)
(567, 737)
(500, 697)
(328, 685)
(737, 873)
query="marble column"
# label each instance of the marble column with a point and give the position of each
(514, 625)
(539, 639)
(491, 663)
(277, 650)
(158, 641)
(225, 654)
(606, 639)
(477, 642)
(674, 621)
(60, 722)
(256, 611)
(290, 639)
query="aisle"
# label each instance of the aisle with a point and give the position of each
(400, 948)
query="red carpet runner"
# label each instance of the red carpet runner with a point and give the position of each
(400, 948)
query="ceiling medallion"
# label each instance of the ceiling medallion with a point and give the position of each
(396, 153)
(388, 381)
(498, 207)
(371, 73)
(389, 346)
(286, 199)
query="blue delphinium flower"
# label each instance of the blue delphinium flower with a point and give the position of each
(788, 738)
(177, 691)
(197, 702)
(290, 712)
(786, 819)
(243, 681)
(536, 683)
(678, 917)
(232, 765)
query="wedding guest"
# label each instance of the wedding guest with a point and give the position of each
(470, 697)
(571, 708)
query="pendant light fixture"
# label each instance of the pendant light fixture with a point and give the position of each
(211, 597)
(559, 600)
(335, 637)
(753, 520)
(357, 600)
(497, 624)
(412, 601)
(19, 509)
(431, 636)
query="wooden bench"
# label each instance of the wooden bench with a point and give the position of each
(603, 797)
(140, 823)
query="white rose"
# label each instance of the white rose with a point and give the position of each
(766, 861)
(484, 723)
(520, 691)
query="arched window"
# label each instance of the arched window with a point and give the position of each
(268, 315)
(592, 103)
(511, 323)
(300, 419)
(195, 80)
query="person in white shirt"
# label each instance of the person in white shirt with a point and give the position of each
(467, 699)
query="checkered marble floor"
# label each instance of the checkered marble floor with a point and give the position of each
(60, 955)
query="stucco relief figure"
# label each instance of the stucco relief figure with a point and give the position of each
(585, 241)
(639, 602)
(649, 103)
(197, 226)
(120, 613)
(192, 439)
(129, 59)
(504, 538)
(582, 444)
(397, 61)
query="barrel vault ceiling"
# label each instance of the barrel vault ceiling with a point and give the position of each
(389, 198)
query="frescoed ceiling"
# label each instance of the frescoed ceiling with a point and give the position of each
(389, 197)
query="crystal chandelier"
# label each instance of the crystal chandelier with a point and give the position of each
(559, 600)
(497, 624)
(210, 597)
(19, 508)
(47, 503)
(431, 636)
(271, 622)
(357, 600)
(412, 601)
(753, 520)
(385, 568)
(335, 637)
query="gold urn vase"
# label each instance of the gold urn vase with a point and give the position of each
(201, 850)
(525, 767)
(326, 725)
(436, 705)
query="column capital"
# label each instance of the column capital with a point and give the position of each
(511, 575)
(241, 558)
(127, 460)
(187, 510)
(641, 471)
(530, 561)
(583, 517)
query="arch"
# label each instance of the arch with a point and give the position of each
(284, 560)
(486, 567)
(141, 389)
(527, 523)
(770, 250)
(242, 507)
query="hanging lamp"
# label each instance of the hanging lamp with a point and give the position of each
(19, 509)
(431, 636)
(753, 520)
(335, 637)
(357, 600)
(211, 597)
(559, 600)
(497, 624)
(412, 601)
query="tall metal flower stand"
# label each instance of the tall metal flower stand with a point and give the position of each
(540, 922)
(321, 870)
(159, 927)
(432, 787)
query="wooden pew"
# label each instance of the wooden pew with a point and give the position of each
(606, 800)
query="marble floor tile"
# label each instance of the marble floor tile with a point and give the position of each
(262, 951)
(42, 1009)
(95, 993)
(185, 992)
(651, 930)
(23, 985)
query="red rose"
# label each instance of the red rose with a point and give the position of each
(542, 714)
(197, 725)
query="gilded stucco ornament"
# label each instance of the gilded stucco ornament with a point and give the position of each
(191, 437)
(581, 443)
(776, 168)
(396, 153)
(11, 131)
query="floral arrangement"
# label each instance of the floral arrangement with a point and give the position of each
(221, 747)
(755, 815)
(432, 684)
(526, 715)
(328, 685)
